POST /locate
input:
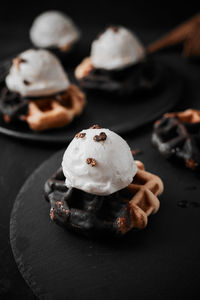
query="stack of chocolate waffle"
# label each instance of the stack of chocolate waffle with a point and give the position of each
(141, 77)
(115, 214)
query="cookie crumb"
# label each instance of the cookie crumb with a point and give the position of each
(101, 137)
(52, 216)
(80, 135)
(91, 161)
(191, 163)
(6, 118)
(96, 126)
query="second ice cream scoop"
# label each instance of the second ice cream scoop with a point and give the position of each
(116, 48)
(37, 73)
(53, 29)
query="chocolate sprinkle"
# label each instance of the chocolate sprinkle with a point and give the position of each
(80, 135)
(96, 126)
(26, 82)
(114, 28)
(18, 60)
(136, 151)
(91, 161)
(101, 137)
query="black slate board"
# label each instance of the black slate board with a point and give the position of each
(161, 261)
(121, 116)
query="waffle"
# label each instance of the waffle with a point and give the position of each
(177, 136)
(140, 77)
(187, 34)
(84, 68)
(52, 113)
(115, 214)
(43, 113)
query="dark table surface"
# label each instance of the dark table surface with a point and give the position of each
(18, 158)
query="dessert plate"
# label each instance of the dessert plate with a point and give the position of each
(121, 116)
(57, 264)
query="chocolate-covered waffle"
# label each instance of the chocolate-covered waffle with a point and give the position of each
(100, 189)
(117, 64)
(177, 136)
(39, 93)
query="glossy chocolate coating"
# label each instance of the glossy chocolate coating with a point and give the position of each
(85, 213)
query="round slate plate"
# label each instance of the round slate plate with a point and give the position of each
(153, 262)
(120, 116)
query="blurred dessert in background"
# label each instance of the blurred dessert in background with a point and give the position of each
(39, 92)
(55, 31)
(177, 137)
(117, 64)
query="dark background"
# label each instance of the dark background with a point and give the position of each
(156, 17)
(18, 159)
(137, 13)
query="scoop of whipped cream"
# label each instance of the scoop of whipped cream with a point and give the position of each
(98, 161)
(116, 48)
(53, 28)
(37, 73)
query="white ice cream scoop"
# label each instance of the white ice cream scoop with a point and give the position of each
(116, 48)
(37, 73)
(53, 29)
(98, 161)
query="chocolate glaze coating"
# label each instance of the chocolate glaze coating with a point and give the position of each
(178, 140)
(12, 104)
(84, 213)
(142, 77)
